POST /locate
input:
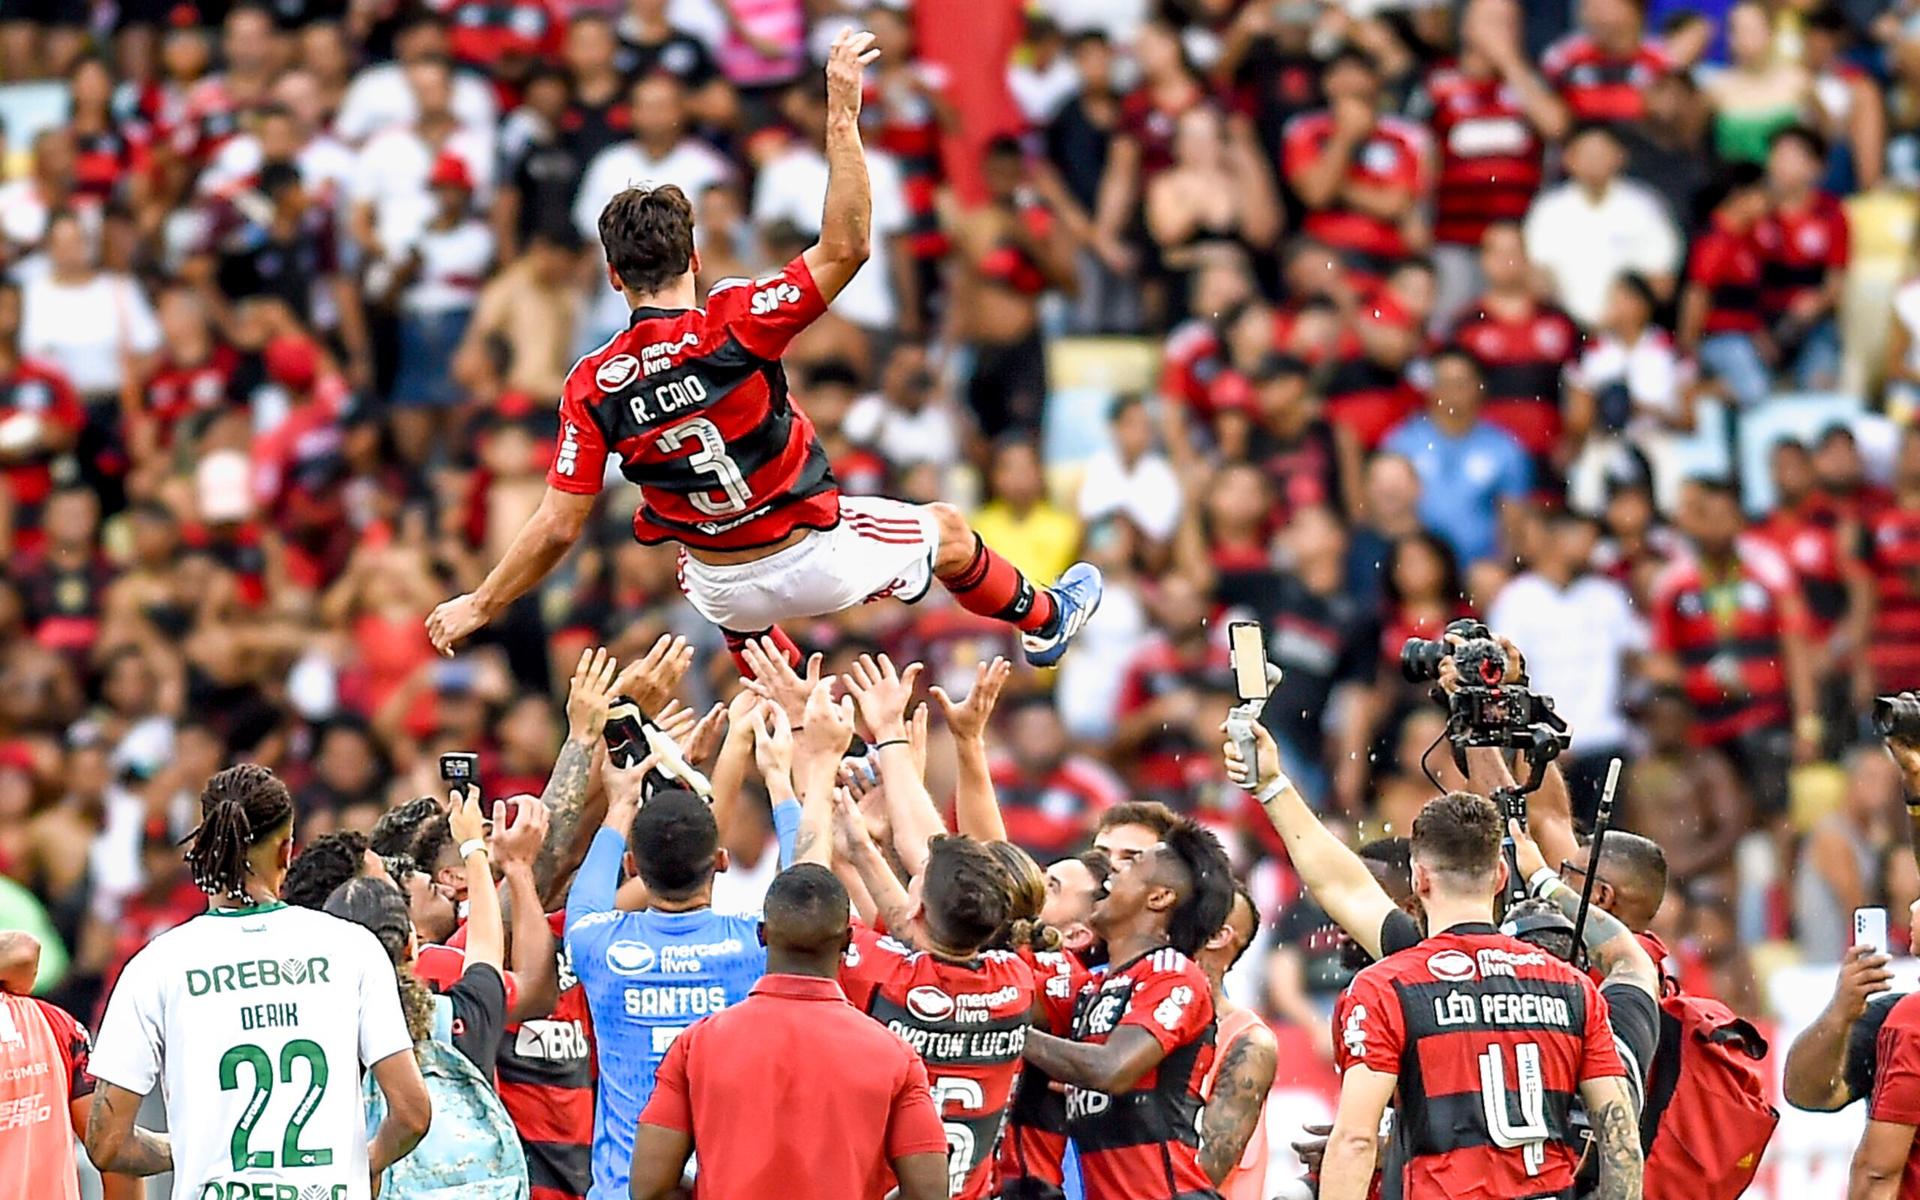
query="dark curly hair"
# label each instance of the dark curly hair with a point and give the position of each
(323, 865)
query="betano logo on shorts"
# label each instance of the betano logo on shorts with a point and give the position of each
(253, 973)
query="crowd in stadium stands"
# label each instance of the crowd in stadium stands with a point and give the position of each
(1351, 318)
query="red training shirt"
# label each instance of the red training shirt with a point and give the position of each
(794, 1093)
(1896, 1086)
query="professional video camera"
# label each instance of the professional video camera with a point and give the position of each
(1897, 716)
(1487, 708)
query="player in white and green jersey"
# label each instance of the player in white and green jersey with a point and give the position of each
(257, 1020)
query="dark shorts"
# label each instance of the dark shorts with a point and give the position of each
(1763, 757)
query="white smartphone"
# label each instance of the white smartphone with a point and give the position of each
(1870, 928)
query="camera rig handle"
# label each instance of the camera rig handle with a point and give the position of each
(1602, 821)
(1242, 716)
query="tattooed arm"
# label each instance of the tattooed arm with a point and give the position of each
(115, 1143)
(1616, 1136)
(1611, 946)
(1239, 1095)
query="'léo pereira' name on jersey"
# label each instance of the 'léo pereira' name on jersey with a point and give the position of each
(1525, 1008)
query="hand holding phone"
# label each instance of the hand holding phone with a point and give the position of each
(1253, 680)
(1870, 928)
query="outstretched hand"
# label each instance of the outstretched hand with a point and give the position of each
(650, 679)
(882, 694)
(774, 677)
(773, 742)
(625, 786)
(847, 62)
(1526, 851)
(968, 719)
(591, 693)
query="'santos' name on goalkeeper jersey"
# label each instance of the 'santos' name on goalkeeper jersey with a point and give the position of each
(260, 1021)
(648, 975)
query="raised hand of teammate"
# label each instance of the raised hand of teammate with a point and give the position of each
(590, 694)
(1863, 975)
(822, 737)
(519, 830)
(676, 720)
(847, 61)
(968, 718)
(851, 836)
(650, 680)
(774, 677)
(882, 694)
(625, 786)
(773, 745)
(450, 623)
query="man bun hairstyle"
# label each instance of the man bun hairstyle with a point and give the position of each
(966, 893)
(240, 808)
(674, 840)
(648, 235)
(1027, 896)
(1209, 899)
(1458, 835)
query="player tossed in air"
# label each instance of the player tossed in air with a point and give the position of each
(694, 402)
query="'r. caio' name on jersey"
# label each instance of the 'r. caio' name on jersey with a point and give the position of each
(694, 402)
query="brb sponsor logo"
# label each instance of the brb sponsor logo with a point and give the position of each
(1083, 1103)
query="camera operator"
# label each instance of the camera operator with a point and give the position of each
(1708, 1119)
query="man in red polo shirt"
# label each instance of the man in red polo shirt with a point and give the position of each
(793, 1092)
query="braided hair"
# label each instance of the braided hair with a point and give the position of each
(240, 808)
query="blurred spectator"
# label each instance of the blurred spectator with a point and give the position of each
(1473, 475)
(1839, 868)
(1603, 70)
(1633, 392)
(1683, 796)
(1019, 520)
(1804, 250)
(1760, 92)
(1131, 478)
(1720, 316)
(1525, 347)
(908, 421)
(1050, 797)
(1587, 232)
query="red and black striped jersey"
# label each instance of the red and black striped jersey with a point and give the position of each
(1797, 249)
(1891, 549)
(967, 1021)
(1725, 627)
(1145, 1143)
(1490, 156)
(694, 402)
(1490, 1039)
(1368, 396)
(1394, 155)
(1599, 86)
(546, 1079)
(1031, 1164)
(1820, 542)
(1725, 263)
(1523, 360)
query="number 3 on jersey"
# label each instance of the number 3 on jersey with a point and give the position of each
(292, 1154)
(711, 458)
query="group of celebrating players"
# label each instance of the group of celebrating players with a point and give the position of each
(1080, 1005)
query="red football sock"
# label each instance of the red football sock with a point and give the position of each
(993, 587)
(736, 642)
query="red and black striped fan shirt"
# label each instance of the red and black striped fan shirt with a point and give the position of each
(1490, 1039)
(694, 402)
(1726, 627)
(1032, 1158)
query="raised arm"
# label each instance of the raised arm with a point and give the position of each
(1611, 946)
(541, 543)
(818, 746)
(486, 932)
(1346, 1170)
(882, 694)
(1815, 1075)
(976, 810)
(890, 901)
(1336, 877)
(846, 222)
(1239, 1096)
(530, 954)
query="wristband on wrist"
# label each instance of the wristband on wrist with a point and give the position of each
(1279, 783)
(882, 745)
(471, 847)
(1544, 883)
